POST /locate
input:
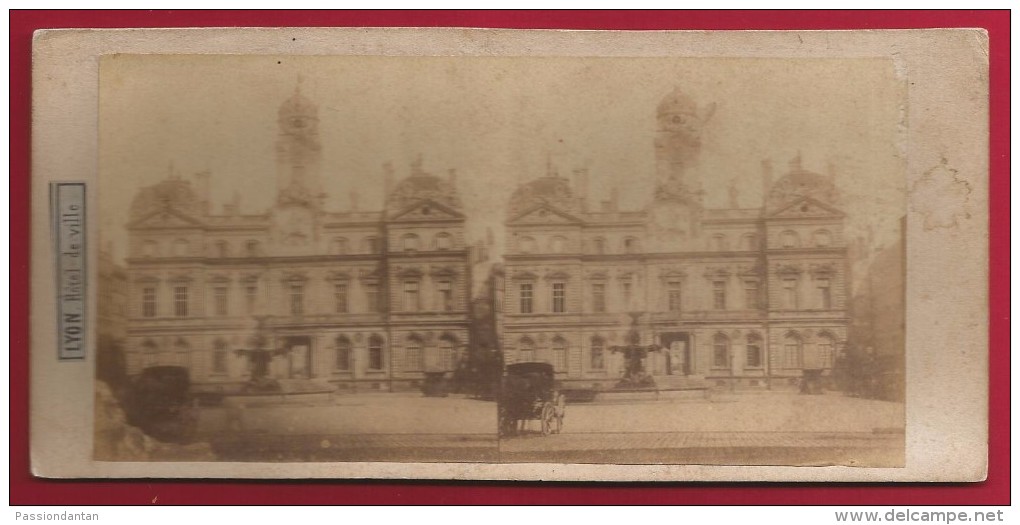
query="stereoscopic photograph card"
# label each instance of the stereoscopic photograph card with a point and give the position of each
(514, 255)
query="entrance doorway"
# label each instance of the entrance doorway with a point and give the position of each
(678, 352)
(299, 357)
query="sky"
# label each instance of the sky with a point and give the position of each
(498, 121)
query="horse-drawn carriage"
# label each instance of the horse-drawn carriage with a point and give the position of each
(528, 392)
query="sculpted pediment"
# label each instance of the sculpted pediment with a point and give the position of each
(807, 207)
(545, 214)
(426, 210)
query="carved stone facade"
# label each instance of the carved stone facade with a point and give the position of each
(363, 299)
(737, 296)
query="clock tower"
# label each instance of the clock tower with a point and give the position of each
(298, 157)
(676, 211)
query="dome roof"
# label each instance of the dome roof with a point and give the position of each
(677, 102)
(422, 186)
(171, 193)
(800, 183)
(550, 189)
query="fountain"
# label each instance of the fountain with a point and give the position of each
(635, 377)
(259, 355)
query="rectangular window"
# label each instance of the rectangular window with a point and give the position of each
(220, 300)
(559, 303)
(340, 297)
(250, 297)
(790, 293)
(719, 295)
(180, 301)
(297, 299)
(149, 301)
(628, 292)
(526, 298)
(411, 300)
(598, 297)
(445, 289)
(674, 296)
(219, 362)
(751, 294)
(824, 293)
(372, 296)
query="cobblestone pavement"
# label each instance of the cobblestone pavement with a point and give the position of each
(728, 428)
(679, 440)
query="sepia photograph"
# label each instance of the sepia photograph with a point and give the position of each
(468, 259)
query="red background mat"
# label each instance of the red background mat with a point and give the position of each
(25, 490)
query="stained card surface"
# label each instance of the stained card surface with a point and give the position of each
(510, 254)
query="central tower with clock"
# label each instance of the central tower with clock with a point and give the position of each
(298, 158)
(675, 215)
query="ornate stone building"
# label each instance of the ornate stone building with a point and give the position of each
(368, 299)
(736, 296)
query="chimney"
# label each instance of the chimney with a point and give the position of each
(202, 178)
(581, 183)
(766, 178)
(354, 200)
(387, 179)
(734, 194)
(234, 206)
(490, 238)
(452, 177)
(614, 198)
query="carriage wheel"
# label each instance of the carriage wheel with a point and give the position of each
(507, 424)
(561, 412)
(548, 418)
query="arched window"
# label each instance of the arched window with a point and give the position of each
(789, 239)
(409, 242)
(181, 351)
(527, 245)
(222, 249)
(558, 244)
(338, 246)
(718, 242)
(826, 349)
(631, 245)
(343, 354)
(375, 353)
(180, 248)
(150, 248)
(252, 248)
(444, 241)
(822, 238)
(219, 356)
(720, 351)
(370, 245)
(559, 354)
(414, 354)
(754, 357)
(526, 350)
(749, 241)
(448, 357)
(598, 245)
(792, 350)
(597, 356)
(149, 346)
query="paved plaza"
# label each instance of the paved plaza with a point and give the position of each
(727, 428)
